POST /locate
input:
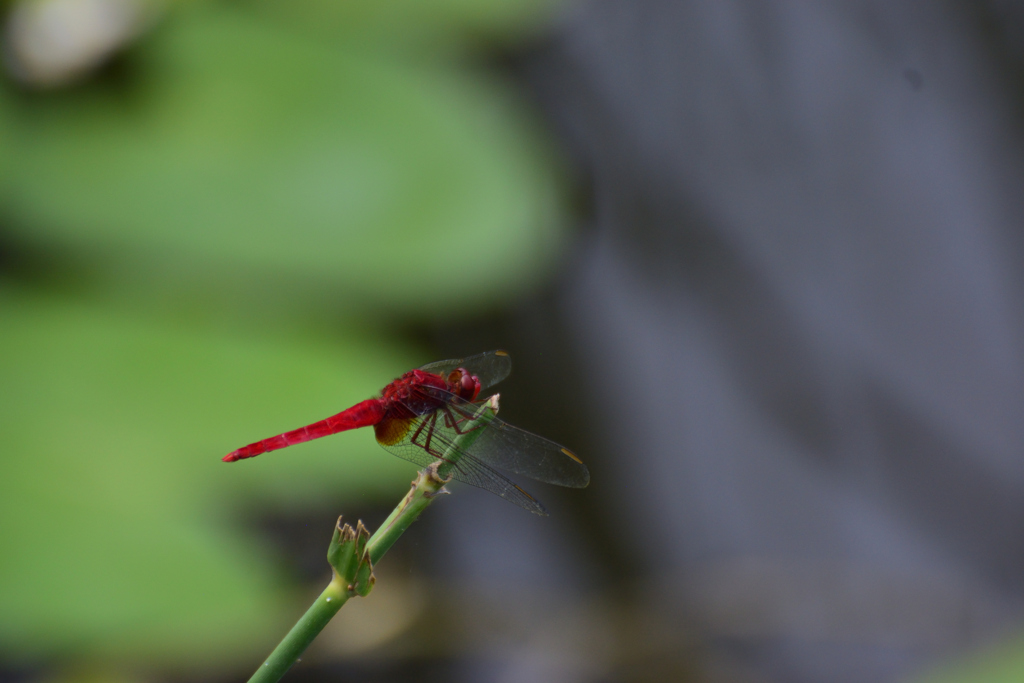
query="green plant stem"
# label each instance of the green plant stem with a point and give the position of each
(424, 489)
(302, 634)
(427, 486)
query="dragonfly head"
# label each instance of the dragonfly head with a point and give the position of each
(463, 384)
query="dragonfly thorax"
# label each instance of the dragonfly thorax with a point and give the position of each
(420, 392)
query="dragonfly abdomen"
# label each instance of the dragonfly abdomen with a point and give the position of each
(364, 414)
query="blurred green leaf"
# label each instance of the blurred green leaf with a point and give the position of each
(242, 154)
(422, 26)
(1001, 664)
(6, 145)
(114, 505)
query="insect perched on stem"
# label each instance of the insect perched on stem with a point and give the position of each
(419, 415)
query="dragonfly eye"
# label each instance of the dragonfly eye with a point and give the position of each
(463, 384)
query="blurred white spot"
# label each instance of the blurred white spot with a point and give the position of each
(53, 42)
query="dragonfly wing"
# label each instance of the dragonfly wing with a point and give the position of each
(471, 471)
(423, 440)
(395, 436)
(518, 451)
(501, 445)
(490, 367)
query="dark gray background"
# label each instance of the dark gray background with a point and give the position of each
(795, 318)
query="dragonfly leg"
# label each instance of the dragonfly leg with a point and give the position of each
(429, 424)
(430, 435)
(453, 423)
(416, 434)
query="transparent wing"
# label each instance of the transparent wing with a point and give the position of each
(491, 367)
(467, 468)
(518, 451)
(425, 438)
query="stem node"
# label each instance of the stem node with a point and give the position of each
(352, 553)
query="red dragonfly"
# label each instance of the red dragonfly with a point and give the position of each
(419, 416)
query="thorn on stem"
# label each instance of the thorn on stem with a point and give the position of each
(434, 476)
